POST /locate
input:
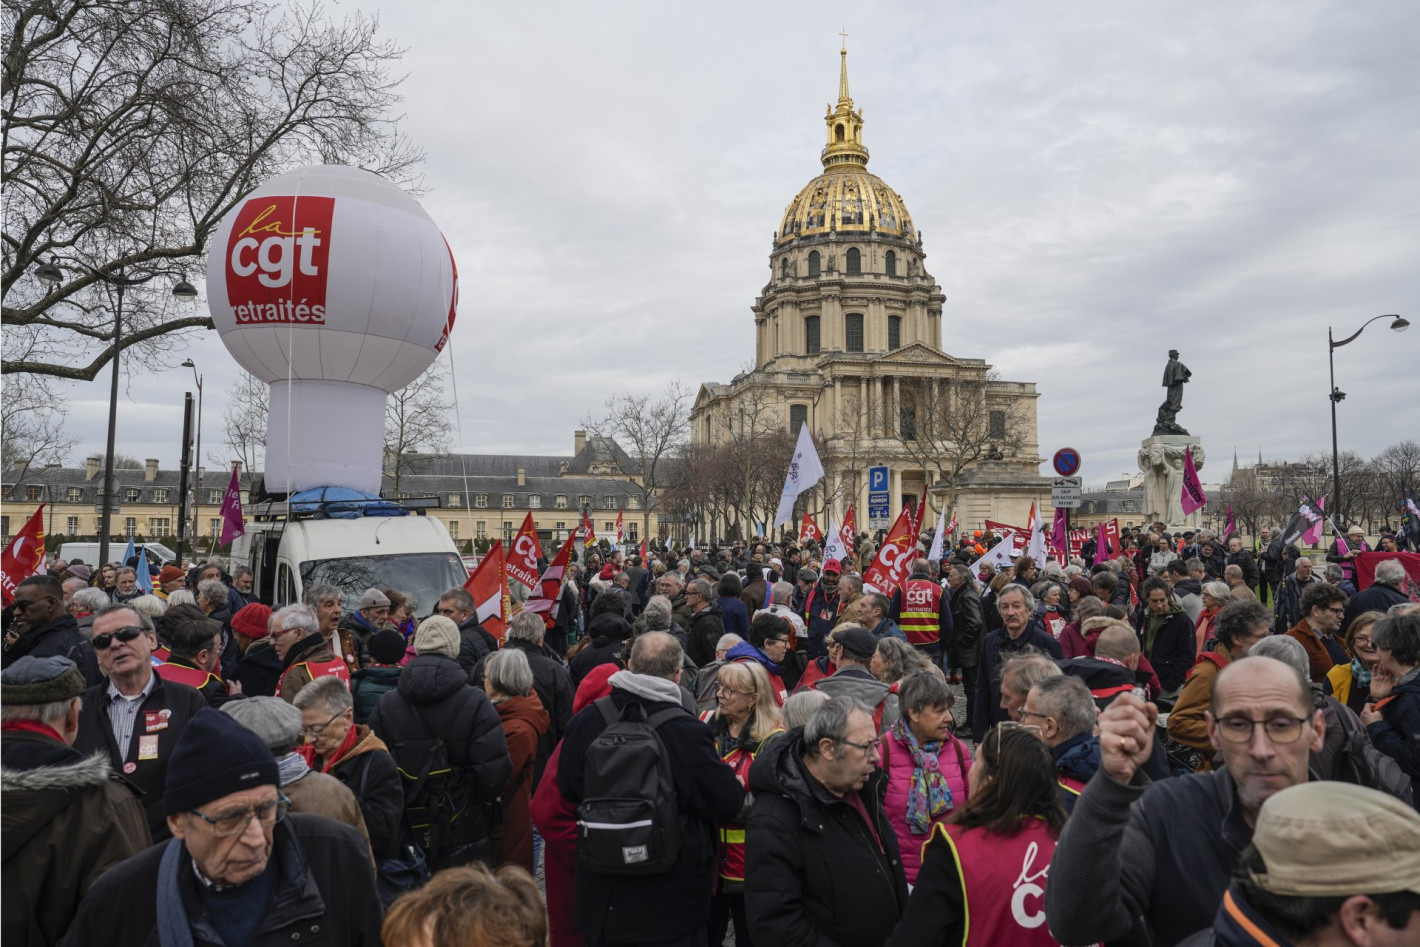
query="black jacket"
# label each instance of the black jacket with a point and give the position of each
(1377, 598)
(813, 872)
(433, 696)
(96, 735)
(58, 638)
(702, 635)
(1398, 734)
(259, 670)
(968, 626)
(475, 644)
(1243, 560)
(1173, 651)
(652, 908)
(324, 894)
(987, 711)
(607, 632)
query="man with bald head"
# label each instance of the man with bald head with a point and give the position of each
(1114, 667)
(1165, 851)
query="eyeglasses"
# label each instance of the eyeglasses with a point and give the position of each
(1360, 642)
(1280, 729)
(1031, 713)
(318, 729)
(871, 746)
(101, 642)
(234, 822)
(726, 690)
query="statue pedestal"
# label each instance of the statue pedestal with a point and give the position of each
(1161, 461)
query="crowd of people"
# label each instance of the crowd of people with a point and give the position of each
(1190, 741)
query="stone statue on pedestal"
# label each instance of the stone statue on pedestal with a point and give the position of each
(1161, 462)
(1176, 375)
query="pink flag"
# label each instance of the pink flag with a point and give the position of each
(1058, 531)
(1192, 499)
(1313, 535)
(231, 513)
(1232, 525)
(1101, 545)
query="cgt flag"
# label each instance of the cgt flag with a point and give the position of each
(890, 567)
(809, 531)
(850, 528)
(1192, 499)
(489, 587)
(589, 535)
(231, 513)
(522, 559)
(23, 557)
(619, 519)
(548, 594)
(805, 470)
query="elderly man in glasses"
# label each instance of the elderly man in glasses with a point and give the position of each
(1164, 852)
(238, 869)
(135, 716)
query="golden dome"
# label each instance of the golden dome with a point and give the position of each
(845, 198)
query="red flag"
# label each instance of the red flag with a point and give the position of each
(893, 563)
(545, 597)
(618, 526)
(952, 526)
(916, 518)
(589, 535)
(809, 531)
(644, 560)
(1366, 563)
(849, 532)
(23, 557)
(522, 560)
(489, 587)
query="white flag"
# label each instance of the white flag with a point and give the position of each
(805, 470)
(1036, 547)
(834, 548)
(692, 541)
(998, 555)
(939, 540)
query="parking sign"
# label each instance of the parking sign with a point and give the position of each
(879, 498)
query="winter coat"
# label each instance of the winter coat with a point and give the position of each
(1398, 735)
(259, 670)
(987, 711)
(1187, 723)
(475, 644)
(754, 595)
(968, 626)
(57, 638)
(311, 649)
(954, 761)
(1243, 560)
(148, 775)
(734, 616)
(815, 872)
(703, 633)
(554, 688)
(324, 894)
(1288, 610)
(322, 794)
(608, 633)
(1377, 598)
(368, 771)
(524, 722)
(369, 684)
(1170, 646)
(1189, 593)
(676, 903)
(854, 680)
(820, 612)
(67, 819)
(1324, 652)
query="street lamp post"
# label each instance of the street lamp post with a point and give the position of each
(1399, 325)
(51, 273)
(197, 481)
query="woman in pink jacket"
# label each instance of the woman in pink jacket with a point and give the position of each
(926, 766)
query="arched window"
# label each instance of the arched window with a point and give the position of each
(838, 132)
(813, 263)
(855, 262)
(853, 332)
(798, 417)
(811, 336)
(890, 263)
(784, 268)
(894, 332)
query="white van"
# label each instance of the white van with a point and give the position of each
(158, 554)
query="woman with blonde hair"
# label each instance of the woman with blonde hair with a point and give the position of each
(743, 722)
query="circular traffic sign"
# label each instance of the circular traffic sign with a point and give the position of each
(1067, 461)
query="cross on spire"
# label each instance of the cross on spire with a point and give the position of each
(844, 33)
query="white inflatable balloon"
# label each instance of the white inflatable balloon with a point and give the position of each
(334, 286)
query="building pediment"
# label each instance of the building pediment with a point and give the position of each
(917, 353)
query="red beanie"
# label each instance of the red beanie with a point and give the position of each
(250, 621)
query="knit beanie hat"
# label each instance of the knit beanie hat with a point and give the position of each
(437, 635)
(215, 757)
(32, 680)
(276, 722)
(387, 646)
(250, 621)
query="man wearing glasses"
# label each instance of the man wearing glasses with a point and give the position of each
(135, 716)
(238, 869)
(43, 628)
(1164, 852)
(1323, 607)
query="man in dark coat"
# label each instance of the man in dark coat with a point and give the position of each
(42, 628)
(822, 606)
(1020, 629)
(607, 629)
(1242, 558)
(1288, 610)
(238, 870)
(821, 859)
(434, 698)
(968, 625)
(55, 801)
(706, 627)
(673, 906)
(1380, 595)
(475, 643)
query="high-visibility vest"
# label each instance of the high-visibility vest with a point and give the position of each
(921, 618)
(315, 669)
(181, 674)
(732, 834)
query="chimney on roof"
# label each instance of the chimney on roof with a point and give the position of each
(237, 467)
(522, 476)
(150, 470)
(579, 441)
(91, 466)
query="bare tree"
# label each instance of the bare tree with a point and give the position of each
(32, 428)
(651, 430)
(244, 423)
(416, 423)
(1396, 468)
(130, 129)
(746, 427)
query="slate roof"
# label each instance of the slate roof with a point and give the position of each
(1112, 501)
(61, 479)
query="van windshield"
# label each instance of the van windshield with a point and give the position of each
(424, 575)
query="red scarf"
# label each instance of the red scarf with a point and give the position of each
(31, 726)
(346, 746)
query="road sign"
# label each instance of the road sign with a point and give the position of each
(1066, 491)
(1067, 461)
(879, 498)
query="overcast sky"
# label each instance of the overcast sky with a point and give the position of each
(1095, 183)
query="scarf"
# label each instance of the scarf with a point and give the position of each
(1359, 674)
(928, 794)
(32, 726)
(346, 745)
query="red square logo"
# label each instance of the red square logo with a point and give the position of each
(277, 260)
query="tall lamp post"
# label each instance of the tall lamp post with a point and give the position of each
(197, 480)
(51, 273)
(1399, 325)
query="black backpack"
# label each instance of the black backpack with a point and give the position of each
(628, 822)
(443, 816)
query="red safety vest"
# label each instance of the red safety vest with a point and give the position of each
(315, 669)
(732, 835)
(921, 618)
(1003, 883)
(192, 677)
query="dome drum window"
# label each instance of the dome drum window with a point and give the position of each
(815, 263)
(854, 265)
(811, 335)
(853, 332)
(890, 263)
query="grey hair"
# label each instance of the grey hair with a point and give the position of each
(728, 641)
(1400, 635)
(1069, 702)
(879, 601)
(1333, 570)
(91, 600)
(52, 712)
(527, 626)
(461, 599)
(783, 592)
(321, 592)
(801, 706)
(657, 613)
(702, 588)
(1021, 590)
(241, 571)
(508, 672)
(1390, 572)
(126, 570)
(922, 690)
(216, 561)
(1027, 669)
(144, 621)
(325, 692)
(214, 590)
(830, 722)
(297, 616)
(1043, 586)
(657, 654)
(1194, 565)
(149, 605)
(1218, 590)
(671, 575)
(1286, 649)
(900, 658)
(181, 597)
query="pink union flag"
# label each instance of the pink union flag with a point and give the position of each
(1232, 525)
(1192, 499)
(231, 513)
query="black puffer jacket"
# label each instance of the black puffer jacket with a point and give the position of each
(434, 697)
(813, 872)
(58, 638)
(475, 644)
(607, 632)
(703, 633)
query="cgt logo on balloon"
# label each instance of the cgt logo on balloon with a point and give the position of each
(277, 258)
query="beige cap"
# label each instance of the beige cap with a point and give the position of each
(1333, 839)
